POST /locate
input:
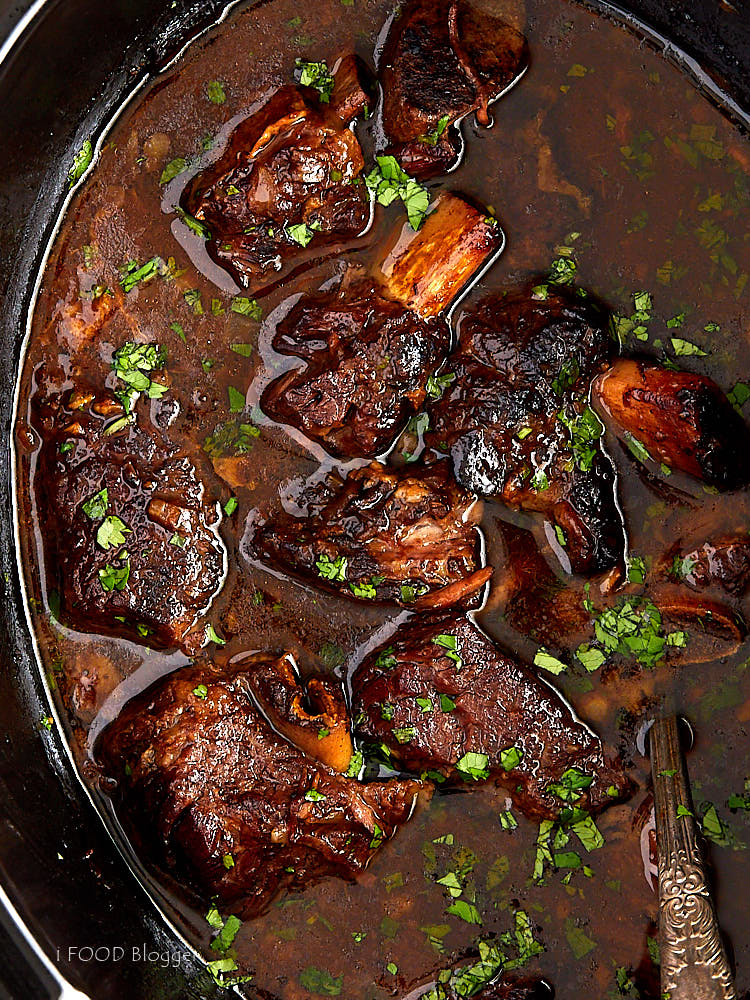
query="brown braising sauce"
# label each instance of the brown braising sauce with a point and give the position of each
(604, 154)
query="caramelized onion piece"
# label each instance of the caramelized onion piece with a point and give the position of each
(312, 716)
(681, 419)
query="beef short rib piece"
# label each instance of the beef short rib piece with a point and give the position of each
(442, 698)
(203, 777)
(516, 420)
(681, 419)
(368, 361)
(370, 347)
(155, 570)
(401, 536)
(286, 179)
(443, 59)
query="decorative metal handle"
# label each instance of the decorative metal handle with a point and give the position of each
(694, 964)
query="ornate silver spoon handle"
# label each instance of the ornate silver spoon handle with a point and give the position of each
(694, 964)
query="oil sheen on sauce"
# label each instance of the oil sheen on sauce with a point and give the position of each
(604, 153)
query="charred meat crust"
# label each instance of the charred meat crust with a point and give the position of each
(293, 163)
(443, 59)
(370, 348)
(155, 491)
(517, 423)
(396, 536)
(202, 776)
(367, 365)
(499, 705)
(723, 564)
(681, 419)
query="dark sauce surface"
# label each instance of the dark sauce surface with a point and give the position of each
(603, 148)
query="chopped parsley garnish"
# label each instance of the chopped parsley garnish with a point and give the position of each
(212, 636)
(193, 224)
(193, 298)
(81, 162)
(112, 577)
(567, 377)
(133, 365)
(507, 820)
(318, 76)
(465, 911)
(572, 784)
(389, 182)
(549, 662)
(228, 861)
(355, 765)
(237, 400)
(321, 982)
(540, 481)
(313, 795)
(432, 137)
(714, 828)
(410, 592)
(739, 395)
(173, 169)
(134, 273)
(233, 437)
(386, 660)
(633, 628)
(683, 811)
(365, 590)
(425, 704)
(96, 506)
(405, 734)
(223, 941)
(111, 532)
(591, 657)
(244, 306)
(685, 349)
(510, 758)
(637, 449)
(231, 506)
(447, 704)
(562, 271)
(636, 569)
(302, 233)
(635, 325)
(201, 691)
(585, 429)
(244, 350)
(473, 765)
(332, 569)
(437, 384)
(215, 91)
(450, 644)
